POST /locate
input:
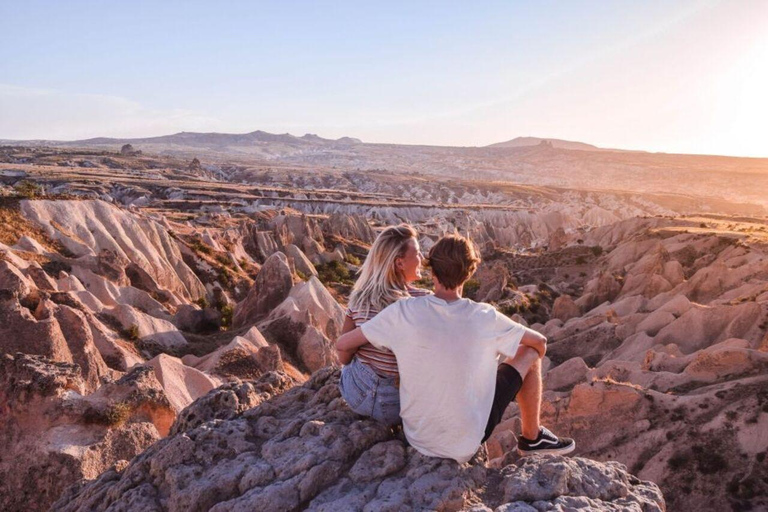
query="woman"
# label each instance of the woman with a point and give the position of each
(369, 381)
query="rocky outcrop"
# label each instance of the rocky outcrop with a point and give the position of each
(305, 324)
(52, 436)
(182, 384)
(86, 228)
(272, 285)
(305, 450)
(350, 227)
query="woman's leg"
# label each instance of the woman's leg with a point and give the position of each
(358, 387)
(386, 404)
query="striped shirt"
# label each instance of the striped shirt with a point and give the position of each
(381, 360)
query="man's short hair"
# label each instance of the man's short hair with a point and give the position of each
(453, 260)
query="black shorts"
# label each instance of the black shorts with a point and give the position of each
(508, 383)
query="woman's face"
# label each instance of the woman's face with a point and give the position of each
(409, 264)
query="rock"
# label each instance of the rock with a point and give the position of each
(153, 333)
(182, 384)
(656, 321)
(127, 150)
(86, 228)
(52, 437)
(191, 319)
(576, 483)
(300, 261)
(702, 326)
(566, 375)
(304, 449)
(305, 323)
(272, 285)
(227, 401)
(351, 227)
(21, 331)
(240, 358)
(493, 281)
(557, 240)
(12, 279)
(564, 308)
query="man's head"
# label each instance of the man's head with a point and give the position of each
(453, 260)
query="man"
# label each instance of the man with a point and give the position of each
(452, 393)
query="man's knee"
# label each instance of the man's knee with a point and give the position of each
(525, 361)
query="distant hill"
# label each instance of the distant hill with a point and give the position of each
(520, 142)
(218, 139)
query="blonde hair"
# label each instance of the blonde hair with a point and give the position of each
(380, 283)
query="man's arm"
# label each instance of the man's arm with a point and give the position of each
(535, 340)
(348, 343)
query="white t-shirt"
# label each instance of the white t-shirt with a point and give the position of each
(447, 355)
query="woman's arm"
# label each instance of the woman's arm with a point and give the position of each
(348, 343)
(349, 325)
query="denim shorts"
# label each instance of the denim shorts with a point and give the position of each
(370, 394)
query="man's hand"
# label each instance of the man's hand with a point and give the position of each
(348, 343)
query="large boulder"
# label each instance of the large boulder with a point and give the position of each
(272, 285)
(306, 450)
(565, 308)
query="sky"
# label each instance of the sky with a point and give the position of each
(682, 76)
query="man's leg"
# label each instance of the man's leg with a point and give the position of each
(528, 364)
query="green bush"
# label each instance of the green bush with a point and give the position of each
(354, 260)
(471, 287)
(132, 333)
(334, 272)
(227, 312)
(28, 189)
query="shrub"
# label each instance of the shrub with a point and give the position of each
(471, 287)
(113, 415)
(224, 276)
(581, 260)
(354, 260)
(334, 272)
(227, 312)
(200, 247)
(132, 333)
(28, 189)
(596, 250)
(202, 302)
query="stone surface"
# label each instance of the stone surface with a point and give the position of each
(305, 450)
(273, 284)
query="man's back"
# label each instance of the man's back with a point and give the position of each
(447, 355)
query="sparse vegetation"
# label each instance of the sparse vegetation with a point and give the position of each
(471, 287)
(227, 312)
(28, 189)
(113, 415)
(132, 332)
(334, 272)
(353, 260)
